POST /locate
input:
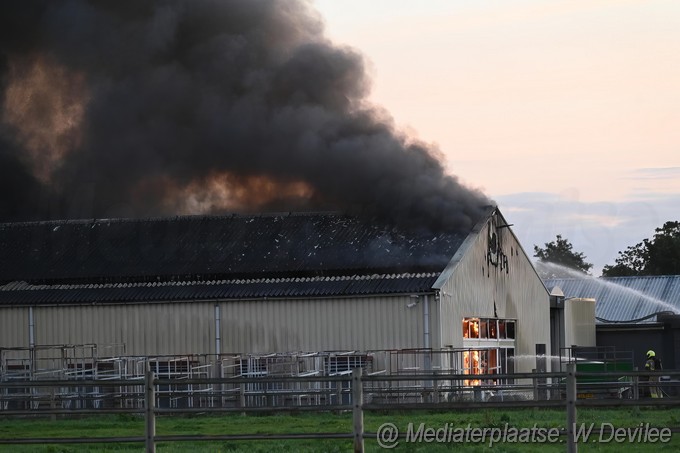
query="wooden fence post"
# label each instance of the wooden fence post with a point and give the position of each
(636, 392)
(357, 410)
(150, 414)
(572, 446)
(242, 396)
(338, 394)
(53, 403)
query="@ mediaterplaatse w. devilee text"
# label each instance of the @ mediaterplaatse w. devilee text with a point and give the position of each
(388, 434)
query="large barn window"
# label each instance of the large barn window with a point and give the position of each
(488, 329)
(489, 347)
(486, 361)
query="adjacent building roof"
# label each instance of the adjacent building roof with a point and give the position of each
(210, 257)
(625, 299)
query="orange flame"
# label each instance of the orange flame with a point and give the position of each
(471, 366)
(225, 192)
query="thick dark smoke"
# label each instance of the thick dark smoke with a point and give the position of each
(137, 108)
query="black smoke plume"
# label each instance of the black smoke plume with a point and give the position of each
(137, 108)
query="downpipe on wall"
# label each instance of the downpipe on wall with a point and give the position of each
(218, 340)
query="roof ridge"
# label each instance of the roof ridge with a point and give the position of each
(226, 215)
(23, 286)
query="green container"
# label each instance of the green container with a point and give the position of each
(602, 386)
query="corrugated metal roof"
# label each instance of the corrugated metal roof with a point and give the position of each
(20, 293)
(625, 298)
(198, 248)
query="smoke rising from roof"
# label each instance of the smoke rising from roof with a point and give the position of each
(133, 108)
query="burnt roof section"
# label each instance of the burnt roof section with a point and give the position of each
(195, 248)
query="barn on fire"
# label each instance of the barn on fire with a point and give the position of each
(86, 293)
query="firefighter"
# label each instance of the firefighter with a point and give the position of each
(653, 363)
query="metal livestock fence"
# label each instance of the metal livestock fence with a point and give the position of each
(356, 391)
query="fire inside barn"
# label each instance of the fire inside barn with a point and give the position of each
(279, 293)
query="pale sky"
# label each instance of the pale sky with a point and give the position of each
(567, 113)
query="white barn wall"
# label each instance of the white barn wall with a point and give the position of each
(320, 325)
(14, 331)
(249, 326)
(145, 329)
(472, 288)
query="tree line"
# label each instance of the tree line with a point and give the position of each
(658, 255)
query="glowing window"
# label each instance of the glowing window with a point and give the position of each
(471, 328)
(489, 328)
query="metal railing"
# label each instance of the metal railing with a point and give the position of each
(353, 392)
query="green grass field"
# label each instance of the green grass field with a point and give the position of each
(109, 425)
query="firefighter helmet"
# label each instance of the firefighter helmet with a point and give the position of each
(650, 354)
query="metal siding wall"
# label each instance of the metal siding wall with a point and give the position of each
(519, 294)
(258, 326)
(177, 328)
(14, 327)
(320, 325)
(261, 326)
